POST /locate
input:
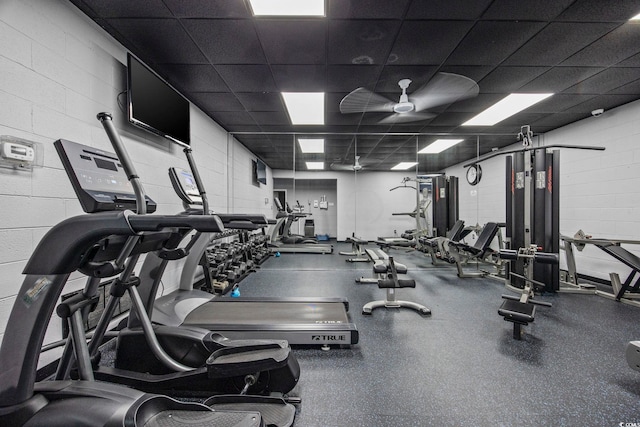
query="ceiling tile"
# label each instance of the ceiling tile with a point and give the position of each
(446, 9)
(556, 79)
(247, 78)
(226, 41)
(366, 9)
(491, 42)
(293, 42)
(506, 80)
(158, 40)
(268, 101)
(216, 101)
(230, 118)
(605, 81)
(273, 117)
(127, 8)
(530, 10)
(599, 11)
(602, 101)
(206, 8)
(427, 42)
(349, 77)
(193, 77)
(300, 78)
(361, 42)
(559, 103)
(632, 88)
(633, 61)
(557, 42)
(614, 47)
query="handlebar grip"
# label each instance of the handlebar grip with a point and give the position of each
(546, 258)
(252, 218)
(508, 254)
(205, 223)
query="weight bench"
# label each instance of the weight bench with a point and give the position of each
(627, 292)
(357, 252)
(479, 251)
(380, 261)
(628, 289)
(396, 242)
(391, 283)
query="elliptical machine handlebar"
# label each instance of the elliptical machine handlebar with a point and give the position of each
(204, 223)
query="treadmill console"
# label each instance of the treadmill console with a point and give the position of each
(98, 178)
(185, 185)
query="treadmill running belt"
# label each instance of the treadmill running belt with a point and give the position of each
(275, 313)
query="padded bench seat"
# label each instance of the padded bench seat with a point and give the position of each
(517, 312)
(357, 246)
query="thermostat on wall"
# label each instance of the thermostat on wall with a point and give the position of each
(19, 153)
(15, 151)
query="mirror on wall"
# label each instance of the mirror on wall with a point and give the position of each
(355, 189)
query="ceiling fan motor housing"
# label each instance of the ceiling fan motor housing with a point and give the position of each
(403, 107)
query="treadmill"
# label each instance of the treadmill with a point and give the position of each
(300, 321)
(287, 243)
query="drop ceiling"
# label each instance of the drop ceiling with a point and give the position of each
(233, 66)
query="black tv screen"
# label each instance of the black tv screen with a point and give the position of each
(154, 105)
(261, 172)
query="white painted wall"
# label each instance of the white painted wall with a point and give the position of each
(307, 191)
(58, 69)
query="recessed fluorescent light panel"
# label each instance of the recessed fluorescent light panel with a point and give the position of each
(635, 18)
(315, 165)
(507, 107)
(311, 145)
(305, 108)
(287, 7)
(402, 166)
(439, 145)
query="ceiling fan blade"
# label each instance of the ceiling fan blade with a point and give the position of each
(406, 117)
(363, 100)
(369, 162)
(442, 89)
(339, 167)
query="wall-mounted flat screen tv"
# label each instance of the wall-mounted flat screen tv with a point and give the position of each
(261, 170)
(154, 105)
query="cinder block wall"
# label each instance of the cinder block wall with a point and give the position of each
(58, 69)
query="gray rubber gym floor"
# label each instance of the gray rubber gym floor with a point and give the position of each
(459, 366)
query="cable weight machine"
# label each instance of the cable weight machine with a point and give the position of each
(532, 224)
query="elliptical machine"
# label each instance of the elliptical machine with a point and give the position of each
(105, 244)
(166, 359)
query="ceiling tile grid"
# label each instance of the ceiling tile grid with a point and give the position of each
(233, 66)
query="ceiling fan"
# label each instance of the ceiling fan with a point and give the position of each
(442, 89)
(357, 165)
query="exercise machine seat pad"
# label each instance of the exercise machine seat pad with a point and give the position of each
(622, 255)
(381, 267)
(402, 283)
(517, 312)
